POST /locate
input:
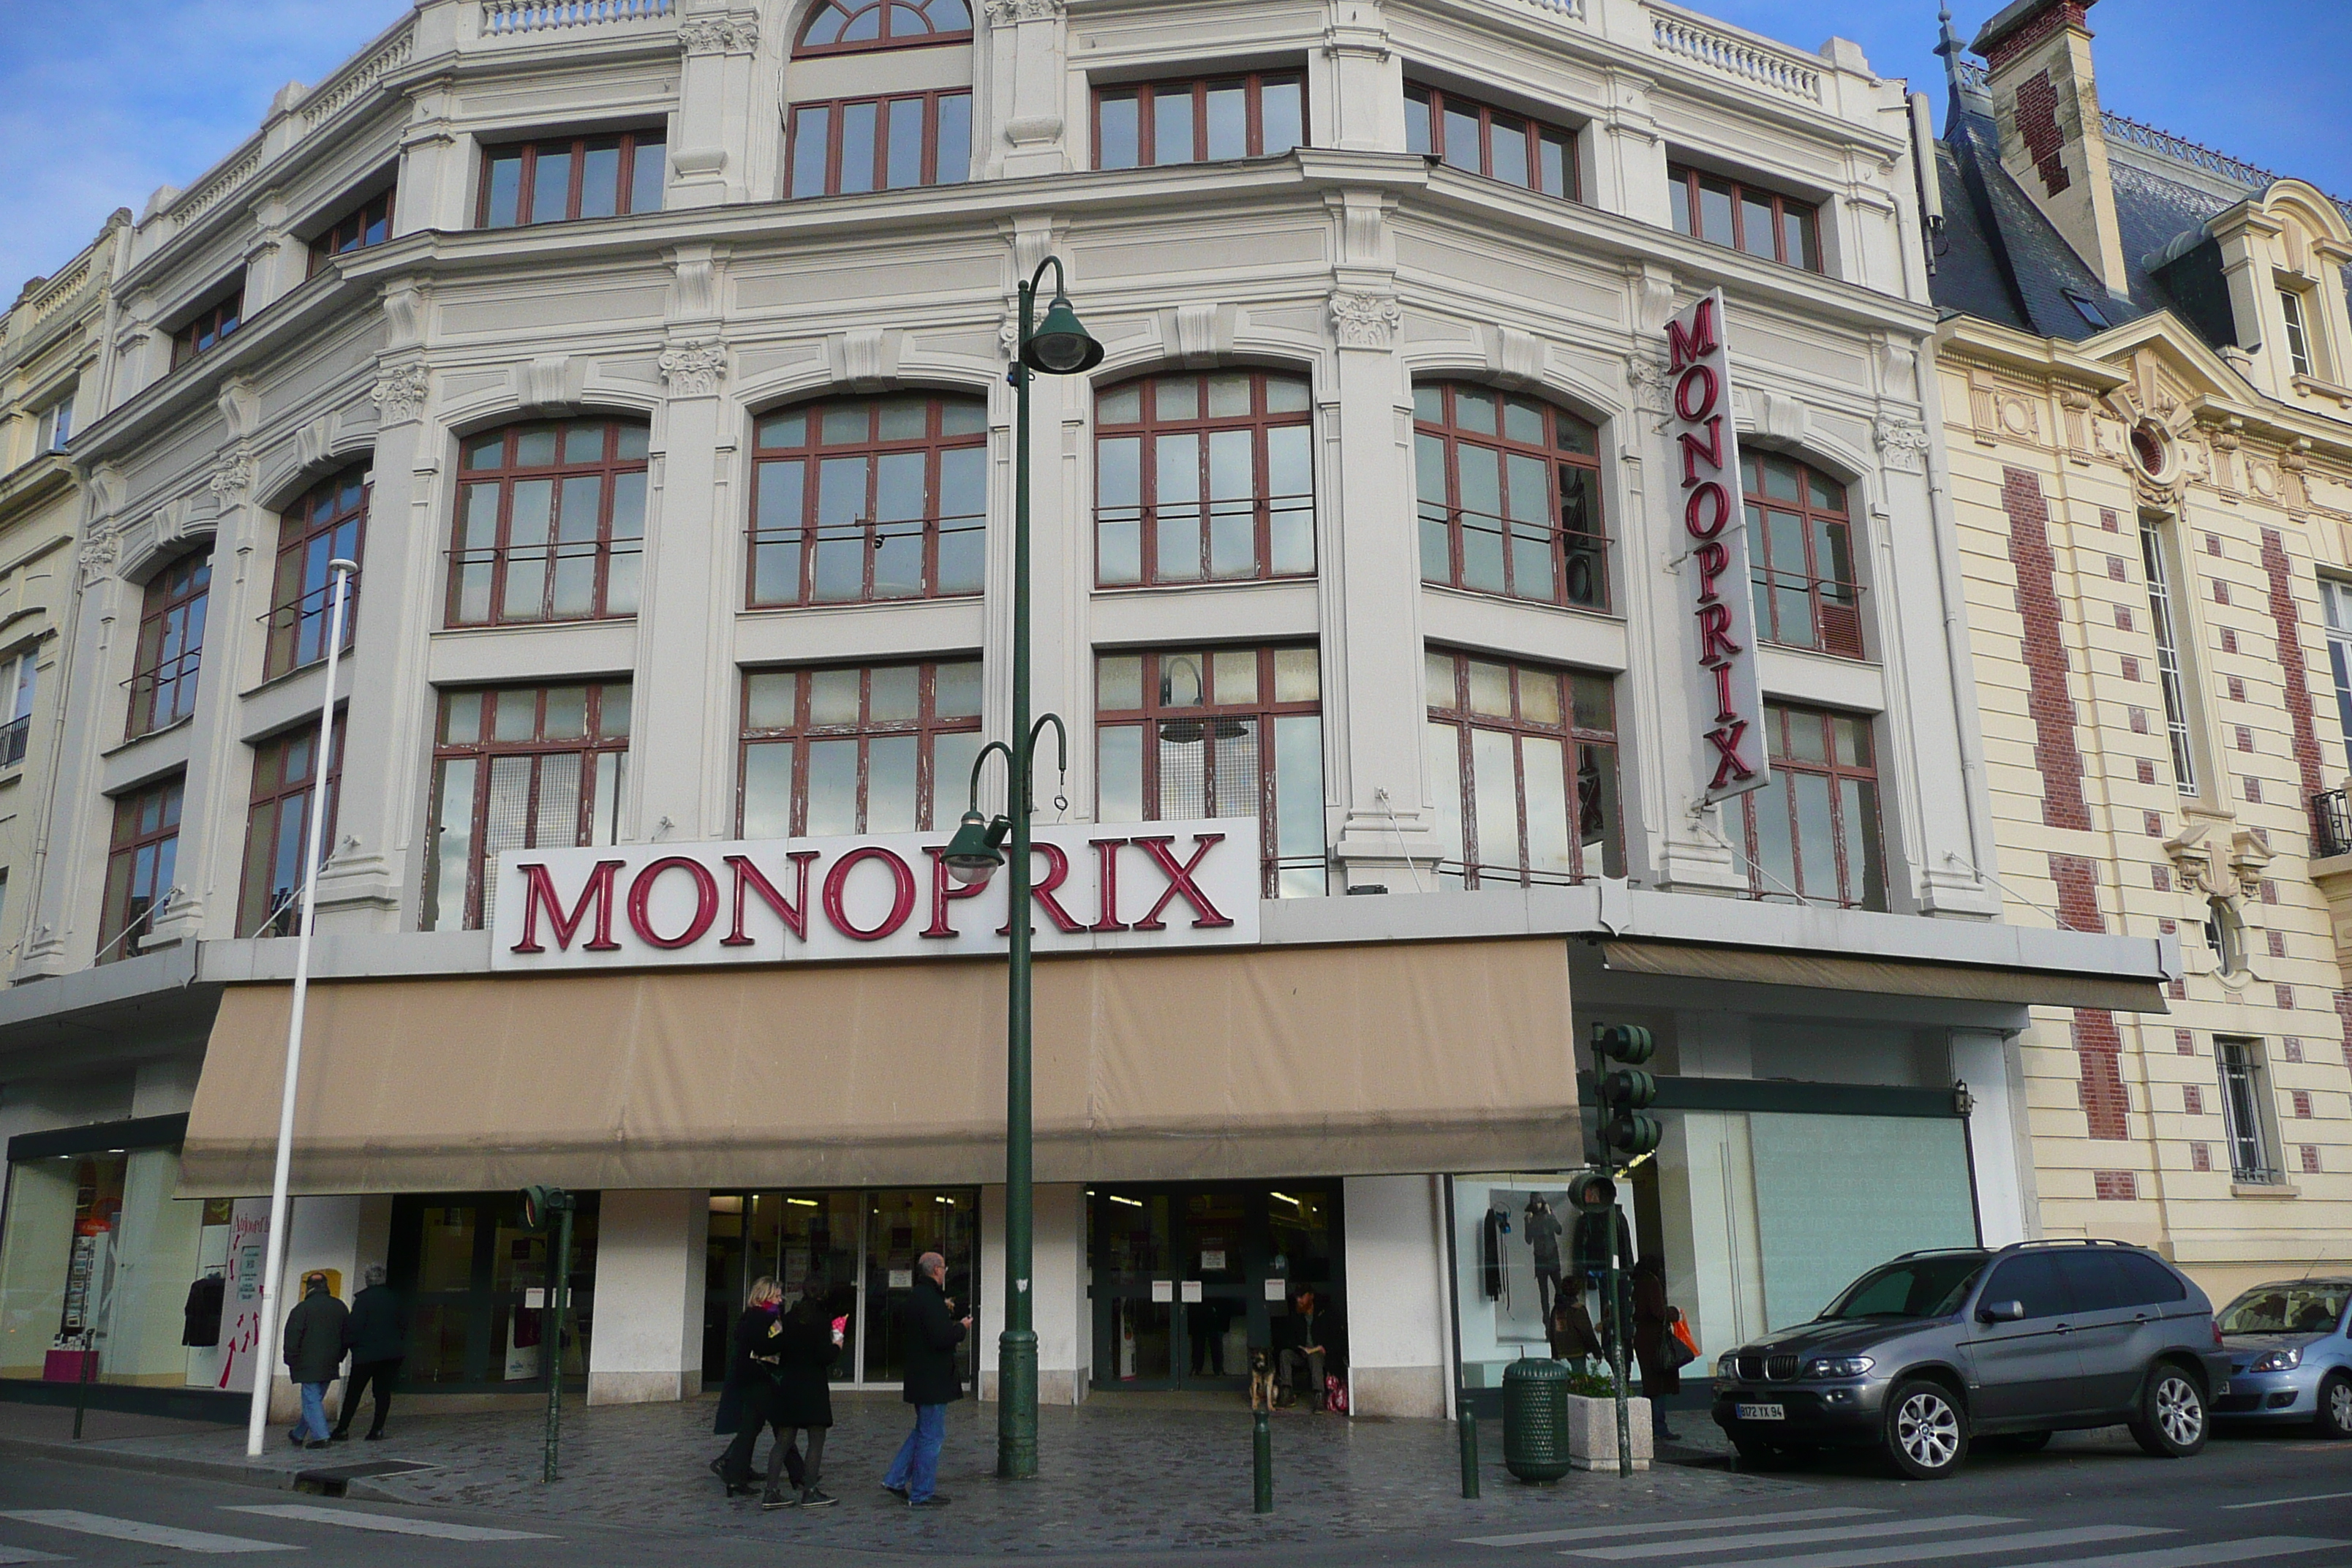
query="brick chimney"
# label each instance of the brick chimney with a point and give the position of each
(2053, 142)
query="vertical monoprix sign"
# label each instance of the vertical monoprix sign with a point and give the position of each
(1728, 698)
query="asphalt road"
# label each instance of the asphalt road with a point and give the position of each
(2092, 1501)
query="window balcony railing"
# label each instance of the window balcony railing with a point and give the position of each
(1535, 561)
(2331, 823)
(13, 736)
(1819, 613)
(164, 695)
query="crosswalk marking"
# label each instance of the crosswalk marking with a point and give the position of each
(393, 1524)
(2282, 1502)
(146, 1534)
(21, 1554)
(1602, 1531)
(1794, 1537)
(1986, 1546)
(2257, 1548)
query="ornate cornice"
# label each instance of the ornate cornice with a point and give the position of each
(1005, 13)
(718, 35)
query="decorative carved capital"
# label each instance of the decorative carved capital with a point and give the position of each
(1366, 320)
(1006, 13)
(99, 555)
(693, 367)
(1902, 445)
(399, 393)
(232, 474)
(1649, 380)
(718, 35)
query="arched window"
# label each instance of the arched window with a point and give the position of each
(550, 523)
(862, 499)
(2225, 933)
(1801, 553)
(844, 27)
(170, 644)
(325, 525)
(1510, 497)
(1204, 477)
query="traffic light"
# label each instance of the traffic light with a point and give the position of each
(542, 1204)
(1592, 1192)
(1625, 1133)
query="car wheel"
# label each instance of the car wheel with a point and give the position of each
(1926, 1433)
(2170, 1423)
(2022, 1442)
(2336, 1407)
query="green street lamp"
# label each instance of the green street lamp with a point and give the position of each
(1058, 345)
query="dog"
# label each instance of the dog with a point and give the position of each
(1261, 1373)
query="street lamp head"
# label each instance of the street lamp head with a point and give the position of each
(971, 855)
(1060, 345)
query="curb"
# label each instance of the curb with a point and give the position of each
(265, 1477)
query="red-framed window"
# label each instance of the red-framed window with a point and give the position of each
(1723, 211)
(851, 27)
(205, 330)
(1813, 831)
(858, 499)
(1204, 477)
(570, 177)
(844, 749)
(551, 524)
(1499, 143)
(141, 855)
(1523, 772)
(1201, 122)
(327, 524)
(1509, 496)
(275, 824)
(1229, 731)
(855, 144)
(369, 223)
(518, 767)
(171, 645)
(1801, 555)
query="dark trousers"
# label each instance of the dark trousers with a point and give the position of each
(784, 1460)
(759, 1406)
(370, 1374)
(1295, 1362)
(1546, 1289)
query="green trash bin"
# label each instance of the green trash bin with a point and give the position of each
(1534, 1419)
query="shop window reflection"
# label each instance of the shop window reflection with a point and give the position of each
(475, 1283)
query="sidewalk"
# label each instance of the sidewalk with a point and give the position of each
(1114, 1476)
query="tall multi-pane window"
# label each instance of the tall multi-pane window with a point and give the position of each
(551, 524)
(1483, 140)
(170, 644)
(325, 525)
(518, 767)
(18, 674)
(1218, 732)
(863, 499)
(570, 177)
(1204, 477)
(2245, 1086)
(1252, 116)
(856, 144)
(54, 428)
(1523, 772)
(848, 27)
(369, 223)
(2335, 600)
(2298, 333)
(1813, 831)
(1800, 551)
(843, 750)
(1746, 217)
(275, 824)
(141, 857)
(2168, 662)
(1510, 494)
(209, 326)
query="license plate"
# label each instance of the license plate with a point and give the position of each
(1759, 1412)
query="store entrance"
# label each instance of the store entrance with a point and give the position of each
(1188, 1279)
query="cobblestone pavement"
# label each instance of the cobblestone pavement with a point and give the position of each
(1112, 1478)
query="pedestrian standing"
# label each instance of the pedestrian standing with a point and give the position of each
(749, 1393)
(1653, 1318)
(377, 1337)
(933, 1332)
(314, 1355)
(803, 1401)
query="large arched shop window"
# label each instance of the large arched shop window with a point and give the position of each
(550, 523)
(1204, 477)
(1509, 490)
(1801, 553)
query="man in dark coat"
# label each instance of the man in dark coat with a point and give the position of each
(378, 1337)
(314, 1355)
(933, 1332)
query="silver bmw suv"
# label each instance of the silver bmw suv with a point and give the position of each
(1921, 1355)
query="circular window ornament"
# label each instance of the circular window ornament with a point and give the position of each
(2154, 453)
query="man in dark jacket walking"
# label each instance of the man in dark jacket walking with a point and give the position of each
(377, 1334)
(933, 1332)
(314, 1355)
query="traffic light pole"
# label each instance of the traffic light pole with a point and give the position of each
(1613, 1283)
(1623, 1130)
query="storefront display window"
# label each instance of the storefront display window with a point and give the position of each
(476, 1280)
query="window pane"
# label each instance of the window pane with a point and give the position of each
(506, 188)
(905, 167)
(1597, 817)
(1551, 855)
(1482, 502)
(600, 180)
(1715, 211)
(858, 126)
(771, 698)
(1539, 696)
(1297, 674)
(1679, 188)
(1756, 232)
(1445, 744)
(645, 182)
(1233, 536)
(1176, 397)
(834, 696)
(1282, 117)
(1429, 484)
(1494, 776)
(832, 787)
(453, 844)
(1859, 806)
(1178, 475)
(1119, 774)
(1509, 139)
(776, 556)
(1417, 111)
(1172, 126)
(1118, 683)
(812, 136)
(1816, 837)
(1232, 676)
(1552, 176)
(1776, 862)
(894, 695)
(1797, 237)
(1290, 491)
(963, 506)
(1116, 146)
(890, 784)
(1462, 138)
(550, 186)
(1228, 122)
(1285, 395)
(1298, 803)
(1490, 689)
(1118, 553)
(954, 160)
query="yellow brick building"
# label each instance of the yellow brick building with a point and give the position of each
(2146, 374)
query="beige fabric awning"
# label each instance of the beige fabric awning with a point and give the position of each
(1964, 983)
(1245, 1063)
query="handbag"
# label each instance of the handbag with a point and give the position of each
(1335, 1394)
(1682, 1349)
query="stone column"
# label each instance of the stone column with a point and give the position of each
(711, 142)
(1398, 1274)
(1029, 43)
(1063, 1314)
(685, 619)
(649, 1284)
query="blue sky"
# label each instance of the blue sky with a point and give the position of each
(103, 102)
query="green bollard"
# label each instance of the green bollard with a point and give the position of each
(1469, 1425)
(1261, 1442)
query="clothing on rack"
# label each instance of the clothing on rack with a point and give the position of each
(202, 1315)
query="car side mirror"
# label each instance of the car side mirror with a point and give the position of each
(2002, 1311)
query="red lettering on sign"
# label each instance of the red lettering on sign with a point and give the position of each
(1694, 454)
(902, 902)
(706, 902)
(1715, 633)
(1697, 343)
(539, 892)
(1724, 711)
(1181, 883)
(1728, 768)
(1708, 497)
(1712, 559)
(945, 888)
(1106, 856)
(793, 911)
(1057, 871)
(1703, 377)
